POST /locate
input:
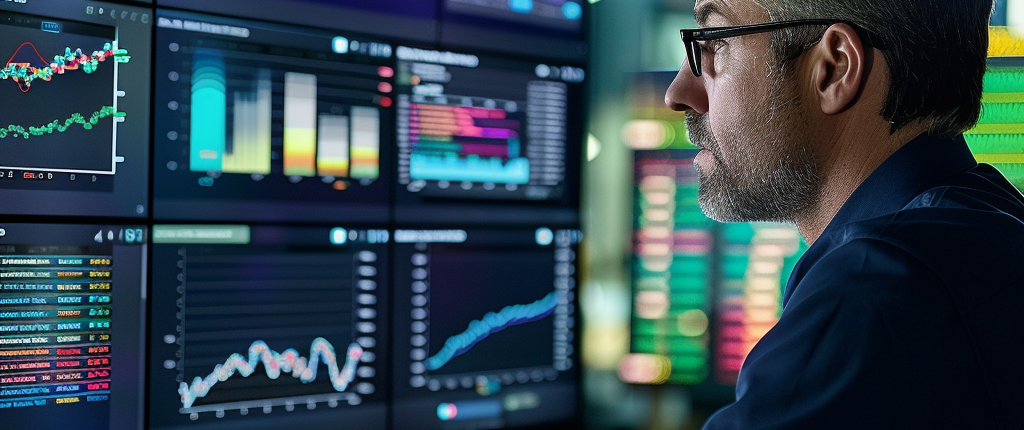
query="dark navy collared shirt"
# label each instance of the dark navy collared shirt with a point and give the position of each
(907, 312)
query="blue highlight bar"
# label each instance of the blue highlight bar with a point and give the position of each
(209, 113)
(469, 410)
(521, 6)
(450, 167)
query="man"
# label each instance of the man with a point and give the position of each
(905, 310)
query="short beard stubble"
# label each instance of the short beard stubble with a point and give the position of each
(772, 176)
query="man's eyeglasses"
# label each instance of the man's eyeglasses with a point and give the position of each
(693, 37)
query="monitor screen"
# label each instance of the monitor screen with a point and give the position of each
(998, 138)
(546, 28)
(487, 139)
(703, 292)
(267, 122)
(264, 327)
(74, 133)
(71, 320)
(562, 15)
(403, 19)
(484, 332)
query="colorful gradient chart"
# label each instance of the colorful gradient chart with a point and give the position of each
(672, 273)
(479, 330)
(274, 363)
(998, 138)
(458, 143)
(756, 260)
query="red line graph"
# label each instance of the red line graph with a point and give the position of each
(22, 83)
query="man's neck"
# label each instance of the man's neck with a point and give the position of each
(848, 159)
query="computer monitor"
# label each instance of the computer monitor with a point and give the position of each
(266, 122)
(703, 292)
(484, 328)
(485, 139)
(71, 322)
(74, 132)
(260, 327)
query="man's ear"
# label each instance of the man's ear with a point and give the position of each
(839, 66)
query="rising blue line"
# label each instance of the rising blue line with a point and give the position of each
(492, 323)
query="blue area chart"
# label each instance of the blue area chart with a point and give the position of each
(492, 323)
(274, 363)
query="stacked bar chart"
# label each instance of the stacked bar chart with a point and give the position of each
(250, 139)
(459, 143)
(232, 127)
(333, 158)
(365, 142)
(208, 117)
(299, 124)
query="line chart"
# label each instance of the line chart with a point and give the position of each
(492, 323)
(274, 363)
(24, 73)
(58, 126)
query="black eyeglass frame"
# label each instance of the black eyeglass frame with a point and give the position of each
(692, 36)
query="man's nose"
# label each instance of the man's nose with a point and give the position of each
(687, 92)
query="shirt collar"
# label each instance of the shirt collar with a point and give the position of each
(920, 164)
(915, 167)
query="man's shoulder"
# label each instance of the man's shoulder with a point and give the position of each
(977, 211)
(967, 232)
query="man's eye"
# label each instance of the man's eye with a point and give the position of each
(713, 46)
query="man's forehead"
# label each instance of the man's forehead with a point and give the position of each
(729, 12)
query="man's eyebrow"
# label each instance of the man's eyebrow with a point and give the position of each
(704, 10)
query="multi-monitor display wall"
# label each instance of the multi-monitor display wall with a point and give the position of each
(228, 214)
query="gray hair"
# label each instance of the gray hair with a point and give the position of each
(935, 50)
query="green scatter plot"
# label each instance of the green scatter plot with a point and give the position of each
(58, 126)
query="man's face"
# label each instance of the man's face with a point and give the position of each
(747, 118)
